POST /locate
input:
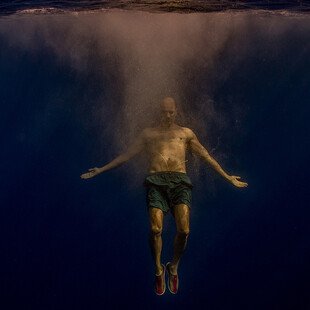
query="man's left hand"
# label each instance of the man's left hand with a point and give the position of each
(235, 180)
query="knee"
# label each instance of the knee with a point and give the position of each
(156, 230)
(183, 232)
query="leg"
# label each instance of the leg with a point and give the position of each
(181, 215)
(156, 225)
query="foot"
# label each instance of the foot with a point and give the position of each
(173, 279)
(160, 284)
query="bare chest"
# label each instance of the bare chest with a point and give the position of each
(175, 137)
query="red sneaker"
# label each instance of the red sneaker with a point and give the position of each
(160, 283)
(173, 280)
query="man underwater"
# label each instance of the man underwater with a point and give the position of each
(168, 186)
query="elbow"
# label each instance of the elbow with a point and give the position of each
(124, 158)
(207, 158)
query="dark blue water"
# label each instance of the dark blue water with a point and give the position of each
(71, 244)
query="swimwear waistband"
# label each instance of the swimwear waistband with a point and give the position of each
(168, 178)
(168, 172)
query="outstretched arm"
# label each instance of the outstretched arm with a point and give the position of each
(198, 149)
(133, 150)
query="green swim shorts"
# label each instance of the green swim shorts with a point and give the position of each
(168, 189)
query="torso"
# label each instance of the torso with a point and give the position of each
(166, 148)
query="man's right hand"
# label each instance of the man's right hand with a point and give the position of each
(91, 173)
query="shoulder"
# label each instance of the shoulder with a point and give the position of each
(188, 132)
(146, 132)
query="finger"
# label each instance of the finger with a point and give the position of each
(91, 169)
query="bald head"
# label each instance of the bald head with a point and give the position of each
(168, 102)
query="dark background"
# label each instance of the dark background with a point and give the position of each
(71, 244)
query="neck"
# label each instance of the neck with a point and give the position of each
(167, 126)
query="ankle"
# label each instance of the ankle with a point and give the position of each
(158, 270)
(173, 268)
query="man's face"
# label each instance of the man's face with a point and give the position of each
(168, 111)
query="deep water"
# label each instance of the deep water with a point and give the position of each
(68, 243)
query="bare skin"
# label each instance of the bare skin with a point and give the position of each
(166, 146)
